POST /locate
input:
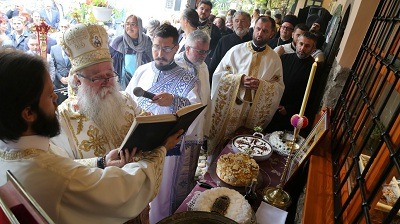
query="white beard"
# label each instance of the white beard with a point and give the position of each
(105, 109)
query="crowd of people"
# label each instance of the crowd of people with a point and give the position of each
(251, 70)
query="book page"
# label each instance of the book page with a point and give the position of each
(187, 109)
(155, 118)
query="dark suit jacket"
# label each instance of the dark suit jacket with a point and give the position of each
(61, 68)
(21, 43)
(55, 19)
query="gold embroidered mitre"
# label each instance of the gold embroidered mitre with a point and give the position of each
(86, 45)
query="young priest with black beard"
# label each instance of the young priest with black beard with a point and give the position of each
(174, 88)
(67, 191)
(296, 72)
(246, 88)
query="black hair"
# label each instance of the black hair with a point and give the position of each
(167, 30)
(311, 35)
(265, 19)
(206, 2)
(191, 16)
(22, 78)
(301, 26)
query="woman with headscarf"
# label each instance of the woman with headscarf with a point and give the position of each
(130, 50)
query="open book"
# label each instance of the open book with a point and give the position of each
(149, 132)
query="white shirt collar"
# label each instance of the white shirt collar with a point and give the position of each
(26, 142)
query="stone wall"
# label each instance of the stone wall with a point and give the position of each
(334, 85)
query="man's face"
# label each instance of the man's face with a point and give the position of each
(36, 17)
(63, 27)
(197, 52)
(19, 7)
(262, 32)
(286, 31)
(102, 102)
(296, 34)
(33, 45)
(204, 11)
(47, 123)
(100, 78)
(163, 50)
(315, 27)
(48, 5)
(182, 21)
(241, 25)
(17, 25)
(304, 47)
(131, 27)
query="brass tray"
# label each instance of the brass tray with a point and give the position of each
(196, 217)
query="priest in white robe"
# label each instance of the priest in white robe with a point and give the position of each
(68, 192)
(246, 88)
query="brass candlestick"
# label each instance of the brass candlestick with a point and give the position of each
(276, 196)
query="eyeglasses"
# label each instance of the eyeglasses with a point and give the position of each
(286, 28)
(201, 52)
(165, 49)
(99, 81)
(131, 24)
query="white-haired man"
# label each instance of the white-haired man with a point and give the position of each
(197, 47)
(241, 27)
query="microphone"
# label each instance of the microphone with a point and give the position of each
(138, 91)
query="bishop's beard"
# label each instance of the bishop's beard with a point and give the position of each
(105, 109)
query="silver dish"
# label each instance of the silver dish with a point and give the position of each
(260, 148)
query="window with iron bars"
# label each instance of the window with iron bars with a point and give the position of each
(366, 127)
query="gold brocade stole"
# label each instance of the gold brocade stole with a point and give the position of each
(254, 71)
(222, 105)
(24, 154)
(226, 113)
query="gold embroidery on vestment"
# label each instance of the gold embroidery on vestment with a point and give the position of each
(27, 153)
(96, 142)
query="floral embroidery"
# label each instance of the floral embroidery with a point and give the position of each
(81, 118)
(95, 142)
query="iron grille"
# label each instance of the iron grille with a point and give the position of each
(366, 127)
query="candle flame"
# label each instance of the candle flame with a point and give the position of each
(316, 59)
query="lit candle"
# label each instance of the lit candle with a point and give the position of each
(308, 89)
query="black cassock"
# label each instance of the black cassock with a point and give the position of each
(296, 72)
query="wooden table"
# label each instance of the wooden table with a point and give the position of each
(270, 174)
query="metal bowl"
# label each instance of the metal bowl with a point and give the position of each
(260, 149)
